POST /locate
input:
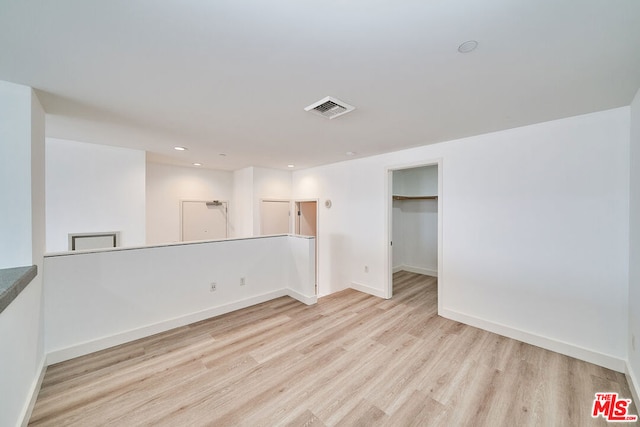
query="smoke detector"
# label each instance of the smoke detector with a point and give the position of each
(330, 107)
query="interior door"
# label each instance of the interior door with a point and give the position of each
(275, 215)
(204, 220)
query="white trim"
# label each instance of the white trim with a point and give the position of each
(634, 385)
(163, 245)
(368, 290)
(87, 347)
(74, 236)
(309, 300)
(417, 270)
(388, 232)
(33, 392)
(440, 234)
(600, 359)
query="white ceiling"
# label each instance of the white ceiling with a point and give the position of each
(233, 76)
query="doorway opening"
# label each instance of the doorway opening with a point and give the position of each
(306, 224)
(414, 206)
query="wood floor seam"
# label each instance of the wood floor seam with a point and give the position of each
(351, 359)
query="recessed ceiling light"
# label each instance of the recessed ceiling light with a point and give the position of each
(291, 166)
(197, 164)
(350, 153)
(180, 148)
(468, 46)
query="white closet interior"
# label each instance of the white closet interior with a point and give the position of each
(415, 220)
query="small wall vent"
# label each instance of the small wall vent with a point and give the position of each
(330, 107)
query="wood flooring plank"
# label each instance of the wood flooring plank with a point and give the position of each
(364, 414)
(306, 419)
(351, 359)
(418, 410)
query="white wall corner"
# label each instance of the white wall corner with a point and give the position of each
(605, 360)
(306, 299)
(634, 385)
(33, 392)
(417, 270)
(368, 290)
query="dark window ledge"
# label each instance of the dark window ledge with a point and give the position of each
(13, 281)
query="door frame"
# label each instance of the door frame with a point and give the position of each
(317, 238)
(226, 207)
(389, 222)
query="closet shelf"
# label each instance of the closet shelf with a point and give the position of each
(415, 197)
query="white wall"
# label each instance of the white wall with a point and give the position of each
(415, 236)
(22, 228)
(101, 299)
(335, 224)
(167, 185)
(15, 175)
(535, 230)
(416, 181)
(38, 185)
(268, 184)
(634, 247)
(94, 188)
(302, 269)
(250, 186)
(243, 202)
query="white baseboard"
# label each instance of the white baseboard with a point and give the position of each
(368, 290)
(33, 392)
(634, 385)
(92, 346)
(417, 270)
(600, 359)
(309, 300)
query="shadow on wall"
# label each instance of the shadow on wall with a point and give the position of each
(336, 247)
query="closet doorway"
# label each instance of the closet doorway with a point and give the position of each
(306, 224)
(415, 220)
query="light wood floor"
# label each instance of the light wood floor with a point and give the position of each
(352, 359)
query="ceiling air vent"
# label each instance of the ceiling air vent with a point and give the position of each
(330, 107)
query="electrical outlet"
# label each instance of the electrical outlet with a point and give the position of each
(242, 281)
(212, 287)
(366, 268)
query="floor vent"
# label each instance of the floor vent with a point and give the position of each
(330, 107)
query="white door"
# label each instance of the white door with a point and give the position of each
(274, 216)
(204, 220)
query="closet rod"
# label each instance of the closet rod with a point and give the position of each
(415, 197)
